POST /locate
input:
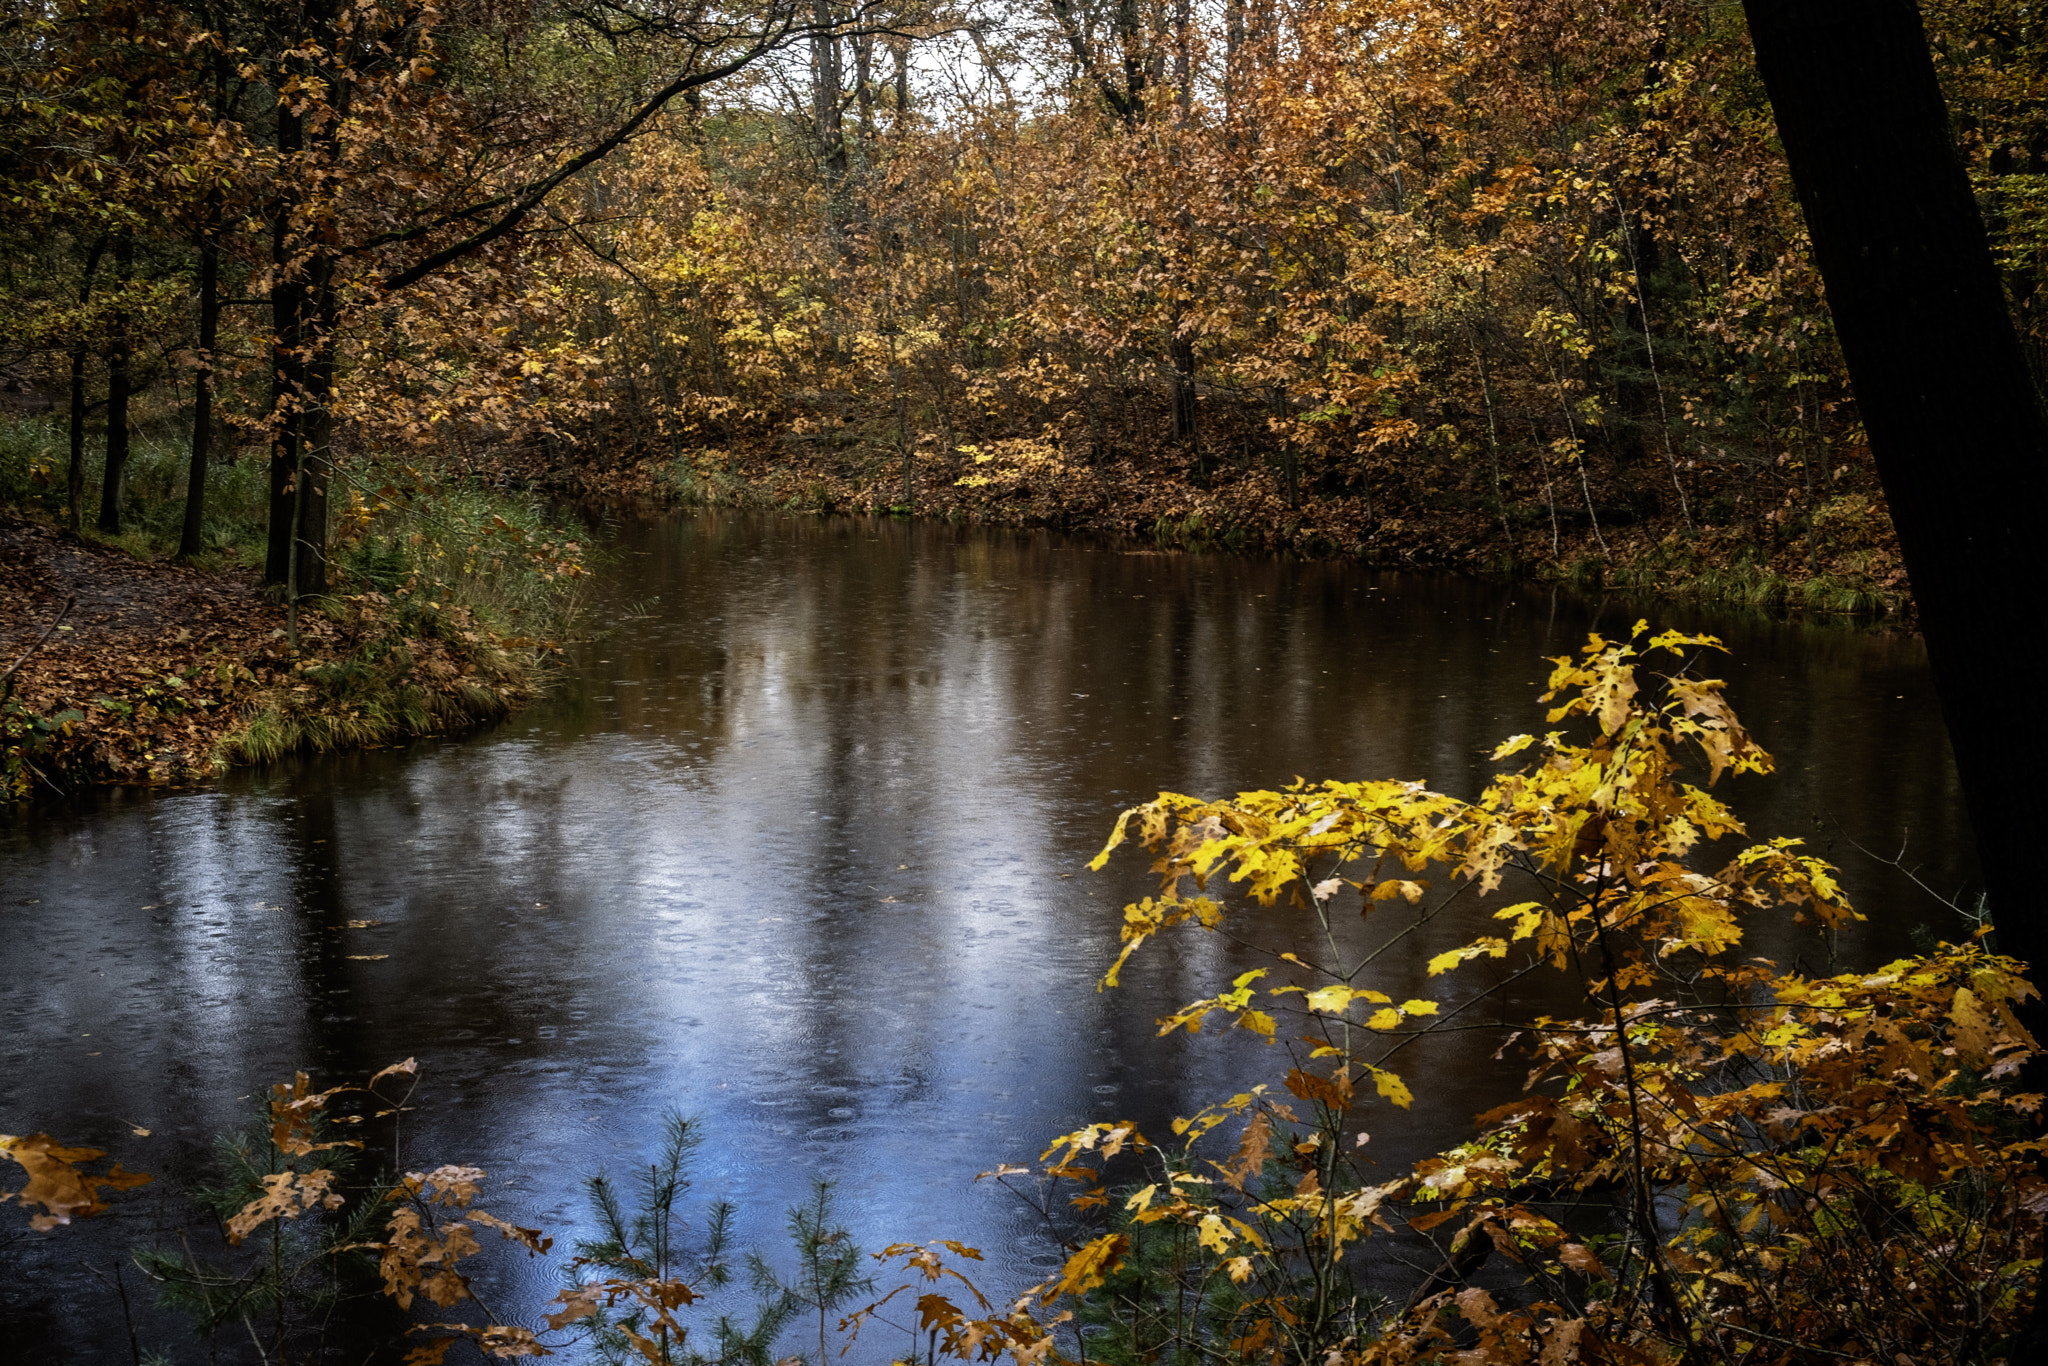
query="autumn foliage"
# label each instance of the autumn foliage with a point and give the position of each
(1477, 282)
(1724, 1160)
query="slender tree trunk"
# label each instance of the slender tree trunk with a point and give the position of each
(1186, 424)
(1184, 57)
(120, 356)
(825, 107)
(317, 440)
(287, 364)
(189, 542)
(1233, 54)
(74, 474)
(901, 126)
(864, 94)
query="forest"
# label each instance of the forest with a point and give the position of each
(1506, 285)
(404, 410)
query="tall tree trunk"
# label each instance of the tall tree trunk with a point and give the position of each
(287, 363)
(189, 541)
(1941, 384)
(1184, 57)
(287, 371)
(864, 93)
(1235, 59)
(74, 474)
(1186, 428)
(120, 356)
(825, 105)
(902, 124)
(1955, 422)
(316, 453)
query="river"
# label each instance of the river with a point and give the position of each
(797, 846)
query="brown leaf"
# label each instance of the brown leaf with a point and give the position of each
(534, 1240)
(1583, 1260)
(56, 1184)
(1252, 1149)
(286, 1195)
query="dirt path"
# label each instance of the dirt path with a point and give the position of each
(118, 597)
(153, 657)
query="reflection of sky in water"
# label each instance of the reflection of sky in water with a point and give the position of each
(799, 850)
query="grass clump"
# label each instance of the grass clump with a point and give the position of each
(461, 592)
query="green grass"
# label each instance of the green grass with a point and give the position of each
(503, 554)
(381, 693)
(34, 454)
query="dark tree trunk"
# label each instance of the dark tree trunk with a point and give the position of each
(189, 542)
(287, 386)
(120, 355)
(74, 474)
(1942, 386)
(825, 105)
(316, 436)
(864, 95)
(1943, 389)
(287, 363)
(1186, 424)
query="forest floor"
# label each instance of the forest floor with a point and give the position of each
(128, 670)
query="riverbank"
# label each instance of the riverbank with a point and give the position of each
(128, 670)
(1836, 554)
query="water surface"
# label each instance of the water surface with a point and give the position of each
(797, 847)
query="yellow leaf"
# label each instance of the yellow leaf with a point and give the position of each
(1332, 1000)
(1392, 1088)
(1213, 1234)
(1087, 1269)
(1527, 916)
(1388, 1018)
